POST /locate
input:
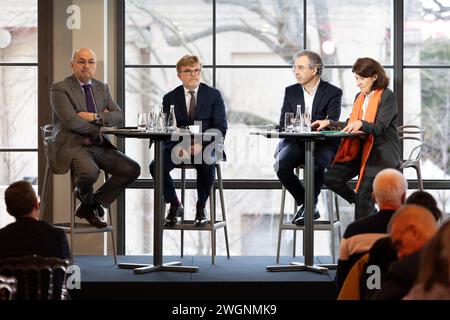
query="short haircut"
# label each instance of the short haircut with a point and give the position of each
(20, 198)
(315, 61)
(389, 187)
(187, 60)
(368, 67)
(412, 214)
(426, 200)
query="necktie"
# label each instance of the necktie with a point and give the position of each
(89, 99)
(192, 107)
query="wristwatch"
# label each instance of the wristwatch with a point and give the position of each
(97, 119)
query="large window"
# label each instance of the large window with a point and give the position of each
(18, 95)
(246, 47)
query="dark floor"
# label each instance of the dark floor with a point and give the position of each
(236, 278)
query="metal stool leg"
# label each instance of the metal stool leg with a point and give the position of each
(45, 193)
(283, 198)
(222, 206)
(419, 177)
(113, 242)
(212, 205)
(73, 204)
(183, 190)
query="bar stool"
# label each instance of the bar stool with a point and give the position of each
(213, 224)
(71, 227)
(319, 225)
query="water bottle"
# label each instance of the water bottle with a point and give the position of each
(171, 120)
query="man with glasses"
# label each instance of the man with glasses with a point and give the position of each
(194, 103)
(321, 100)
(81, 106)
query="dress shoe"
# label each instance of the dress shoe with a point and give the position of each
(85, 211)
(172, 216)
(200, 217)
(298, 214)
(98, 207)
(301, 221)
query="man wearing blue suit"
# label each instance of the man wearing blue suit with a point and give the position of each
(193, 101)
(323, 101)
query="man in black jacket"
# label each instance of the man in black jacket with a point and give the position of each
(28, 235)
(323, 101)
(410, 230)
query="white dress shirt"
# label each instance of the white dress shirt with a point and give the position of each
(309, 97)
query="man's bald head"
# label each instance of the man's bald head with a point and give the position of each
(410, 228)
(84, 64)
(389, 189)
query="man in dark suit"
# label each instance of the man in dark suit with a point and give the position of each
(323, 101)
(194, 102)
(28, 235)
(81, 106)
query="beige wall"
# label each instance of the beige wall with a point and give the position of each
(97, 31)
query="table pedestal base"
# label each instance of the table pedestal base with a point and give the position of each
(297, 266)
(146, 268)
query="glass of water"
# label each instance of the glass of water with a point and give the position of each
(142, 121)
(306, 121)
(289, 121)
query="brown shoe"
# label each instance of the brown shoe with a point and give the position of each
(95, 221)
(88, 212)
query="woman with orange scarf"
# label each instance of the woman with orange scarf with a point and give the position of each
(375, 114)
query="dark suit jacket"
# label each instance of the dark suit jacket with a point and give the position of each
(27, 236)
(327, 103)
(386, 148)
(67, 99)
(210, 109)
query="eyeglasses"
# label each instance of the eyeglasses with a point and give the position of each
(83, 62)
(191, 72)
(301, 68)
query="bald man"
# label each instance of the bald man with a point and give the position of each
(410, 229)
(81, 106)
(389, 192)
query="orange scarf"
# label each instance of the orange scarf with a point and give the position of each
(349, 148)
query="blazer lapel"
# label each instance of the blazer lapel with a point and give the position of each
(299, 99)
(181, 103)
(98, 96)
(317, 99)
(78, 93)
(200, 99)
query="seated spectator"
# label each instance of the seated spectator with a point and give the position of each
(389, 192)
(433, 281)
(28, 235)
(410, 229)
(382, 253)
(426, 200)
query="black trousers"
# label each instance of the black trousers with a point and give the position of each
(336, 179)
(205, 179)
(293, 155)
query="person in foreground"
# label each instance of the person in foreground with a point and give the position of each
(81, 106)
(321, 100)
(433, 280)
(410, 230)
(195, 103)
(389, 193)
(374, 114)
(27, 235)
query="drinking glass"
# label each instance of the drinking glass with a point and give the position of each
(289, 121)
(162, 121)
(142, 121)
(306, 121)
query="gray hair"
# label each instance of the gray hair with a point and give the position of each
(389, 187)
(315, 61)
